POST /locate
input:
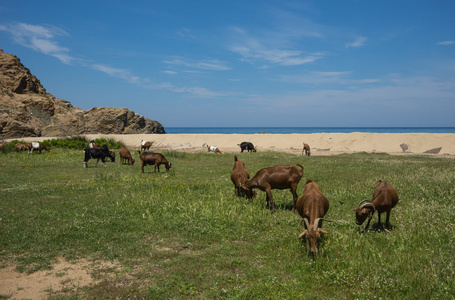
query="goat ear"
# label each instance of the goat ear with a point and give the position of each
(303, 233)
(322, 231)
(366, 211)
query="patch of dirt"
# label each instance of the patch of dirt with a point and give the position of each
(65, 279)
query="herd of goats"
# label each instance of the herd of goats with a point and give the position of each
(312, 206)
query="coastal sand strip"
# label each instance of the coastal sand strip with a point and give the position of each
(321, 143)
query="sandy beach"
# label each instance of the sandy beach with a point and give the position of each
(320, 143)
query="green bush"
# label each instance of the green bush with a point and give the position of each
(76, 142)
(111, 143)
(9, 147)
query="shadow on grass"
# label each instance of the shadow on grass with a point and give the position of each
(288, 207)
(375, 227)
(305, 248)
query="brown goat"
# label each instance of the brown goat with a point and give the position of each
(94, 145)
(239, 176)
(307, 149)
(37, 146)
(156, 159)
(213, 149)
(278, 177)
(21, 147)
(146, 145)
(125, 156)
(312, 207)
(385, 197)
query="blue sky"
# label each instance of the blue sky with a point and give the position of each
(244, 63)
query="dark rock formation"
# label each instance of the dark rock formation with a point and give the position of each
(434, 150)
(404, 147)
(26, 109)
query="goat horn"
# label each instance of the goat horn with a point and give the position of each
(307, 223)
(326, 220)
(316, 223)
(368, 204)
(362, 202)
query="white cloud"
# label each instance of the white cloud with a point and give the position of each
(119, 73)
(42, 39)
(198, 92)
(213, 65)
(445, 43)
(257, 52)
(39, 38)
(357, 43)
(340, 78)
(253, 49)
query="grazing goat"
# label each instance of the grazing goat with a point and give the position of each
(125, 156)
(151, 158)
(247, 146)
(98, 154)
(21, 147)
(146, 145)
(278, 177)
(312, 207)
(385, 197)
(212, 148)
(94, 145)
(306, 148)
(239, 176)
(111, 156)
(37, 146)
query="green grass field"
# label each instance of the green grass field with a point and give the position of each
(184, 235)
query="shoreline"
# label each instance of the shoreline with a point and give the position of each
(320, 143)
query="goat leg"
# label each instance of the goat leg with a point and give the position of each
(270, 199)
(387, 220)
(368, 224)
(294, 196)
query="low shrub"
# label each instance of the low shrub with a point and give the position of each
(76, 142)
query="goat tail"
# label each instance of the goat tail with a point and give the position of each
(235, 158)
(303, 168)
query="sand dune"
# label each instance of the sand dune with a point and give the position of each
(321, 143)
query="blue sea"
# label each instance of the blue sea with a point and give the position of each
(307, 130)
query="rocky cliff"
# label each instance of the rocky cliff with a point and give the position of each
(26, 109)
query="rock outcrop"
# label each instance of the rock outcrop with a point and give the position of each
(26, 109)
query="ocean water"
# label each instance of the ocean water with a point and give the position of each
(307, 130)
